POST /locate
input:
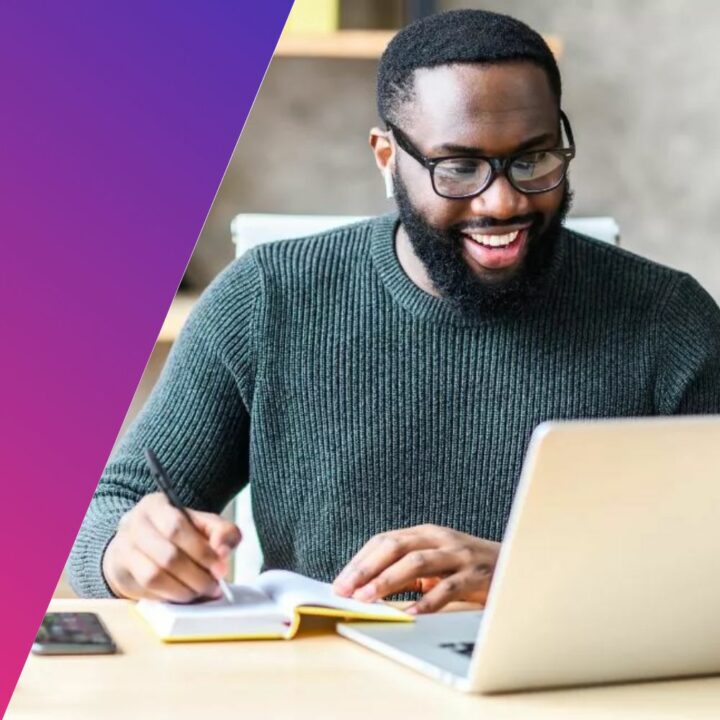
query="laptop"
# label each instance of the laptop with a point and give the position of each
(609, 569)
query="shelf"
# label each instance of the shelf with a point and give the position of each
(358, 44)
(176, 317)
(352, 44)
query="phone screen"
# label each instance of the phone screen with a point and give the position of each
(72, 633)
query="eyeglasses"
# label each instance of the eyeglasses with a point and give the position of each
(465, 176)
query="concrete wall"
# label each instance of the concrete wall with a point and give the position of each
(642, 87)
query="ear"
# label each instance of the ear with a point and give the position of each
(383, 149)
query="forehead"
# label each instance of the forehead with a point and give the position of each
(491, 107)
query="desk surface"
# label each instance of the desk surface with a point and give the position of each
(317, 675)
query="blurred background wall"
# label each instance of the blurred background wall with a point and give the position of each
(641, 86)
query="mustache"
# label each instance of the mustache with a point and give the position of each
(490, 222)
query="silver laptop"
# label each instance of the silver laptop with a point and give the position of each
(609, 569)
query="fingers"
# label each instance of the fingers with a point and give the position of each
(223, 535)
(155, 582)
(176, 556)
(172, 525)
(443, 563)
(473, 583)
(404, 574)
(120, 578)
(378, 554)
(131, 574)
(158, 553)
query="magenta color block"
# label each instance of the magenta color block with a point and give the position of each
(117, 121)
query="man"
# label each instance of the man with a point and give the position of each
(378, 384)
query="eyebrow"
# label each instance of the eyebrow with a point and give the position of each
(466, 150)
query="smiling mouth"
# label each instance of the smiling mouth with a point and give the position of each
(493, 241)
(495, 252)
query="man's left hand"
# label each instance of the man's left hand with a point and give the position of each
(441, 563)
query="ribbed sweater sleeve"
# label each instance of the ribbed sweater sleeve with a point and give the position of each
(196, 420)
(689, 363)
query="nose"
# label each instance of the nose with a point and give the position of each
(500, 200)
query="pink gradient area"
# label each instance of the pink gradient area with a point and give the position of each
(116, 126)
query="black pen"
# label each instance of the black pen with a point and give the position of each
(163, 482)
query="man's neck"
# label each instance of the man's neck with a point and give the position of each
(411, 263)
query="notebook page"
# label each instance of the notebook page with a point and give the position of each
(290, 590)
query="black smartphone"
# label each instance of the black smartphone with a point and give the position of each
(73, 633)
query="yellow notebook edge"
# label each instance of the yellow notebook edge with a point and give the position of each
(301, 610)
(352, 614)
(318, 611)
(220, 638)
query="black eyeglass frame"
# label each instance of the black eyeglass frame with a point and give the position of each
(498, 165)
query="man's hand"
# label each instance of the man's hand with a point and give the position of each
(158, 554)
(443, 564)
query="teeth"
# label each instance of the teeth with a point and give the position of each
(495, 240)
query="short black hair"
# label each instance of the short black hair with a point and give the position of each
(457, 36)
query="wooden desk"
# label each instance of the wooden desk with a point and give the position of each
(318, 675)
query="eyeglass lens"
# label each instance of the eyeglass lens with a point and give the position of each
(531, 172)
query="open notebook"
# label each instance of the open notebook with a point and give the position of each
(270, 607)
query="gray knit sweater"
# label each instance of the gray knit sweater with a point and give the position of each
(356, 403)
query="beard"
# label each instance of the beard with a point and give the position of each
(440, 251)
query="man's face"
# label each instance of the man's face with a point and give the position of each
(494, 110)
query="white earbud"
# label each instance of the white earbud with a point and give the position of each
(389, 186)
